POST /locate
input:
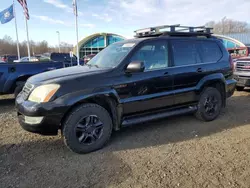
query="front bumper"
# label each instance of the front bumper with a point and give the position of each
(243, 81)
(51, 112)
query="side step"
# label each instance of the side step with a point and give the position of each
(157, 115)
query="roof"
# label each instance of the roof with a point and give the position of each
(242, 37)
(238, 42)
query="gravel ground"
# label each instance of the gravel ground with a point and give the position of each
(178, 152)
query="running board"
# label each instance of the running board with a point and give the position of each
(157, 115)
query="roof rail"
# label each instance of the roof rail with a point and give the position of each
(174, 30)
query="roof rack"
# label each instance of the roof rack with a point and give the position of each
(174, 30)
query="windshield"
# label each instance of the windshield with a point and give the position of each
(111, 56)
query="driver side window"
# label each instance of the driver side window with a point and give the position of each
(154, 54)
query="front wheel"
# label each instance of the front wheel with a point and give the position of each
(209, 105)
(87, 128)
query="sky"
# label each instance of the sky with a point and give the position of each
(115, 16)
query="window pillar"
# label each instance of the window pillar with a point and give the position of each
(105, 41)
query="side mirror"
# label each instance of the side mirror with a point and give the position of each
(135, 66)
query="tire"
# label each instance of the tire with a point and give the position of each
(205, 111)
(239, 88)
(77, 132)
(18, 88)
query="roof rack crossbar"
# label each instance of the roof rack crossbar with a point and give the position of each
(154, 31)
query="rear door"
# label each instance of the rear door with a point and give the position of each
(193, 59)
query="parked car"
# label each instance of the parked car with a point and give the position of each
(156, 75)
(238, 52)
(27, 59)
(9, 58)
(65, 57)
(242, 73)
(87, 58)
(14, 75)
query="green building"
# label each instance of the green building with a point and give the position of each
(96, 42)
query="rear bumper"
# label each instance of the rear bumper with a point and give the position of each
(230, 87)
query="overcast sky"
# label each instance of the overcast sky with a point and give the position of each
(117, 16)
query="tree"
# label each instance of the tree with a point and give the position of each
(226, 26)
(8, 46)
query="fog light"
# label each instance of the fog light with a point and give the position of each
(33, 120)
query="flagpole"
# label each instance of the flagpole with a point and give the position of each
(27, 32)
(76, 28)
(28, 41)
(17, 40)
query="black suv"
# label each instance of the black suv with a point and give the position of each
(156, 75)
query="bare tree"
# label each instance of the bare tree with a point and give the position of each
(226, 26)
(8, 46)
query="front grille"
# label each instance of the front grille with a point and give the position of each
(243, 66)
(27, 90)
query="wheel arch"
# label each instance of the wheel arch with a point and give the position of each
(107, 100)
(22, 78)
(214, 80)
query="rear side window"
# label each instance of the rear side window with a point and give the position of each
(210, 51)
(185, 52)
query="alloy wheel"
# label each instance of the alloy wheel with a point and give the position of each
(89, 129)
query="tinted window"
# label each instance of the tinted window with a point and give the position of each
(210, 51)
(153, 54)
(12, 58)
(185, 53)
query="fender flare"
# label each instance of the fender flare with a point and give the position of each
(211, 79)
(109, 97)
(216, 79)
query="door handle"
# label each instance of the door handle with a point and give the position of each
(166, 73)
(199, 70)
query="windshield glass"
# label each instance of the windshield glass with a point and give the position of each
(111, 56)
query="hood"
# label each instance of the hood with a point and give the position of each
(244, 58)
(66, 73)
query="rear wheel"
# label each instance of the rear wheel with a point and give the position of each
(239, 88)
(87, 128)
(209, 105)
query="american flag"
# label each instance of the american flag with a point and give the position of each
(25, 8)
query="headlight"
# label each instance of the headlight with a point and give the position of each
(43, 93)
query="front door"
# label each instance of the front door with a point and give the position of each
(151, 89)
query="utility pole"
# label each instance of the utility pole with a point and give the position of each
(59, 43)
(76, 28)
